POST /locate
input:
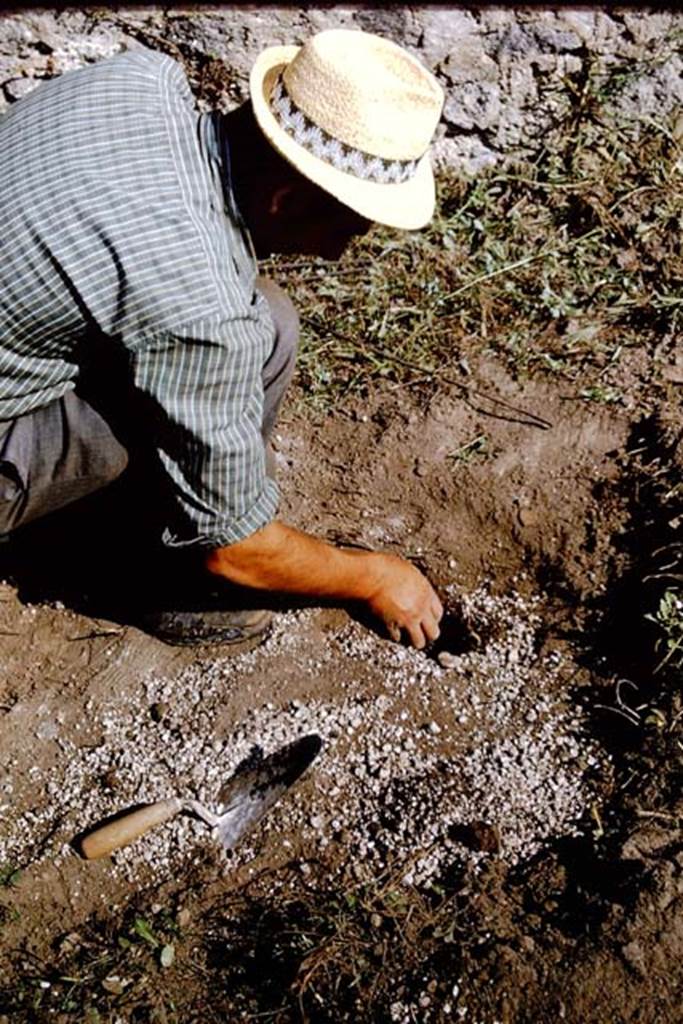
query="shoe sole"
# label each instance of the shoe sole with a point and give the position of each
(201, 633)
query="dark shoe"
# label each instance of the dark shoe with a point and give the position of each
(215, 626)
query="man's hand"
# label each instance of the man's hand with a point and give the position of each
(282, 559)
(404, 599)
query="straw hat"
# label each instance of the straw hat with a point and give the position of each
(355, 114)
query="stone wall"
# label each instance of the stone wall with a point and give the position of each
(510, 74)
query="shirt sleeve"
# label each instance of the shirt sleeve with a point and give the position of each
(201, 395)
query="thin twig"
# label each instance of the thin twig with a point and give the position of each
(97, 633)
(656, 814)
(532, 420)
(618, 711)
(622, 703)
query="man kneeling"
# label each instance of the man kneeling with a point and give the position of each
(131, 231)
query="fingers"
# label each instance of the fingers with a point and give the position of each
(431, 629)
(416, 634)
(394, 631)
(425, 629)
(406, 601)
(422, 631)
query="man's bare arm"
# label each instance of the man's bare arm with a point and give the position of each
(280, 558)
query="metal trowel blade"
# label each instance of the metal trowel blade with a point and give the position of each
(258, 784)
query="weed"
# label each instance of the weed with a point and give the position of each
(601, 394)
(559, 265)
(10, 876)
(669, 618)
(101, 974)
(478, 446)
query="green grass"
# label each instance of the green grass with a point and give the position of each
(100, 974)
(249, 957)
(558, 266)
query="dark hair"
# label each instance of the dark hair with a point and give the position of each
(252, 152)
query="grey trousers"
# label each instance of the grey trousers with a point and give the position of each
(55, 455)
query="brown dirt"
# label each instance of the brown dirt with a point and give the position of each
(584, 928)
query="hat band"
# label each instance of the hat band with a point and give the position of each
(324, 146)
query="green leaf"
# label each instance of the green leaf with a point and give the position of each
(10, 876)
(142, 929)
(167, 956)
(656, 718)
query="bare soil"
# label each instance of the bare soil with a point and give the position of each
(532, 825)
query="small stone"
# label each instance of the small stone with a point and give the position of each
(446, 659)
(17, 88)
(47, 730)
(158, 711)
(634, 956)
(527, 516)
(113, 985)
(482, 836)
(110, 780)
(376, 921)
(70, 944)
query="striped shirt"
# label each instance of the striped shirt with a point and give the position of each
(116, 221)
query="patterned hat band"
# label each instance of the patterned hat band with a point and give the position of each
(324, 146)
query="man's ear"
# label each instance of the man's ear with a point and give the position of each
(281, 199)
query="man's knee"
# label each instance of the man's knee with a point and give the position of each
(283, 314)
(54, 456)
(115, 464)
(279, 367)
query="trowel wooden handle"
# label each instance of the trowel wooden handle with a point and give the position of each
(127, 828)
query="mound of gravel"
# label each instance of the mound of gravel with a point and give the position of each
(421, 764)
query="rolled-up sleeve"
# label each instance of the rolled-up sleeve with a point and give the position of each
(201, 393)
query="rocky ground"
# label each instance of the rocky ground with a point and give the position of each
(492, 830)
(510, 74)
(494, 788)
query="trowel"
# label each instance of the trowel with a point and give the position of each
(255, 786)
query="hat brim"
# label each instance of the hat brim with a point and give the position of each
(408, 204)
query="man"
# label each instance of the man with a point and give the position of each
(129, 230)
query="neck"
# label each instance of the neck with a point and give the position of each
(258, 176)
(253, 162)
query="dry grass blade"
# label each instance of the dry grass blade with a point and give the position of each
(560, 267)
